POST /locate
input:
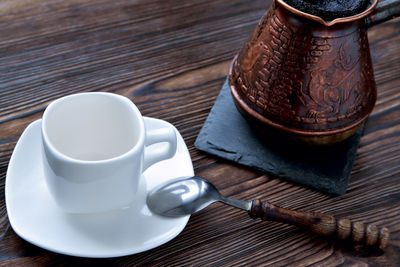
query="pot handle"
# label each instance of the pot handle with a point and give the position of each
(385, 10)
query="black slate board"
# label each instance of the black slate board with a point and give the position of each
(228, 135)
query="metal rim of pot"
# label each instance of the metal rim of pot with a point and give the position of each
(335, 21)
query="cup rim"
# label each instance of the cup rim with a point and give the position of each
(63, 157)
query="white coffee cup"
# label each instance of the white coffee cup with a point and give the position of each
(95, 150)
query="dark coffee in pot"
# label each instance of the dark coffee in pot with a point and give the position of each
(328, 10)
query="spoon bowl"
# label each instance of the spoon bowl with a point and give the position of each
(187, 195)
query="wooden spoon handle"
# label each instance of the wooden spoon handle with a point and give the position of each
(322, 224)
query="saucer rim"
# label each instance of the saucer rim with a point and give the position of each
(177, 229)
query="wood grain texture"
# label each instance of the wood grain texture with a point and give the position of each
(171, 58)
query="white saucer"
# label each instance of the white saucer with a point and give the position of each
(35, 217)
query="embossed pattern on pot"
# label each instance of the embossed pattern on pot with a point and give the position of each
(305, 76)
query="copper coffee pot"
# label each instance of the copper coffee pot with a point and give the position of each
(308, 79)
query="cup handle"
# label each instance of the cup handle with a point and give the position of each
(165, 135)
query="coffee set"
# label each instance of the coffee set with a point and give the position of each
(82, 180)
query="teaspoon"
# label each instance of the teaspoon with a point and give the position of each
(188, 195)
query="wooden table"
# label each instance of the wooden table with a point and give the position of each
(171, 58)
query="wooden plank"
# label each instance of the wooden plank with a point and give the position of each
(171, 58)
